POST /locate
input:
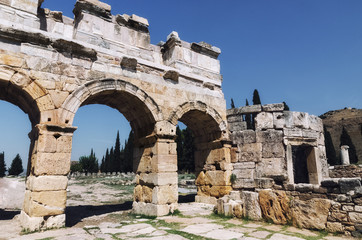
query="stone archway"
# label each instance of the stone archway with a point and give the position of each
(212, 150)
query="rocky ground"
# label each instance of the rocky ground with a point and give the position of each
(100, 208)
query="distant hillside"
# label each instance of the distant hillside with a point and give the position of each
(351, 120)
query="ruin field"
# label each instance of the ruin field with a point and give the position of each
(101, 208)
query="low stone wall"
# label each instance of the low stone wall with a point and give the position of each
(345, 171)
(335, 206)
(94, 175)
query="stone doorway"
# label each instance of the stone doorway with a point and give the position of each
(305, 165)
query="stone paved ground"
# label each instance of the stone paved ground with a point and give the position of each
(110, 218)
(195, 221)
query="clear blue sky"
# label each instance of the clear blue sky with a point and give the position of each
(305, 52)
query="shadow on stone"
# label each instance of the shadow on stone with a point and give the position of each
(76, 214)
(186, 198)
(8, 215)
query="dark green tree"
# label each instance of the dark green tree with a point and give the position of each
(111, 160)
(2, 165)
(256, 97)
(188, 156)
(103, 165)
(107, 162)
(16, 166)
(330, 150)
(89, 163)
(232, 103)
(346, 140)
(248, 120)
(76, 167)
(286, 107)
(128, 152)
(117, 164)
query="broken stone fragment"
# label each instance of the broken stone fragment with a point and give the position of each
(206, 49)
(94, 7)
(173, 75)
(129, 63)
(173, 35)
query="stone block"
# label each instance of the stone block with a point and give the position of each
(165, 194)
(46, 203)
(244, 173)
(217, 178)
(315, 123)
(247, 136)
(249, 109)
(51, 163)
(164, 163)
(250, 152)
(234, 118)
(264, 120)
(270, 167)
(264, 183)
(269, 136)
(335, 227)
(139, 19)
(129, 63)
(6, 74)
(244, 183)
(237, 126)
(206, 199)
(310, 134)
(220, 191)
(57, 221)
(310, 214)
(349, 184)
(30, 223)
(218, 155)
(293, 132)
(143, 194)
(64, 144)
(301, 120)
(244, 165)
(278, 120)
(273, 150)
(275, 107)
(150, 209)
(10, 60)
(30, 6)
(355, 217)
(158, 179)
(251, 205)
(330, 183)
(46, 183)
(47, 144)
(275, 206)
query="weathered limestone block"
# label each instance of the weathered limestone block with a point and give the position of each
(245, 173)
(270, 167)
(51, 163)
(11, 60)
(335, 227)
(22, 80)
(31, 223)
(46, 183)
(263, 183)
(129, 63)
(206, 199)
(218, 155)
(6, 73)
(172, 75)
(311, 214)
(47, 143)
(250, 152)
(150, 209)
(301, 120)
(217, 178)
(58, 97)
(165, 194)
(349, 184)
(164, 163)
(45, 203)
(220, 191)
(273, 150)
(157, 179)
(94, 7)
(143, 194)
(247, 136)
(264, 120)
(315, 123)
(244, 183)
(275, 107)
(275, 206)
(251, 205)
(30, 6)
(57, 221)
(355, 217)
(278, 120)
(269, 136)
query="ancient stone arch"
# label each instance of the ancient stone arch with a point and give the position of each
(52, 65)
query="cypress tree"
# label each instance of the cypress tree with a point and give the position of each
(89, 163)
(232, 103)
(16, 166)
(286, 107)
(256, 97)
(179, 147)
(330, 151)
(103, 165)
(188, 158)
(2, 165)
(111, 161)
(128, 152)
(107, 164)
(249, 124)
(117, 164)
(346, 140)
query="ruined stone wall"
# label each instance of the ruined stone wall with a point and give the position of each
(346, 171)
(335, 206)
(262, 158)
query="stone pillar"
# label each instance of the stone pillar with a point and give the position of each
(290, 168)
(46, 183)
(213, 171)
(345, 155)
(156, 192)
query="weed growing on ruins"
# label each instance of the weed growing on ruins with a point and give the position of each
(175, 213)
(89, 229)
(232, 178)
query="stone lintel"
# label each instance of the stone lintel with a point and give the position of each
(93, 7)
(244, 110)
(43, 128)
(206, 49)
(275, 107)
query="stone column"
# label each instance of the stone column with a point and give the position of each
(46, 182)
(156, 192)
(213, 171)
(345, 155)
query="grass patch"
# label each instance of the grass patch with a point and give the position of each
(92, 228)
(48, 238)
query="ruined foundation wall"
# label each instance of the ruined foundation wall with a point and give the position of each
(346, 171)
